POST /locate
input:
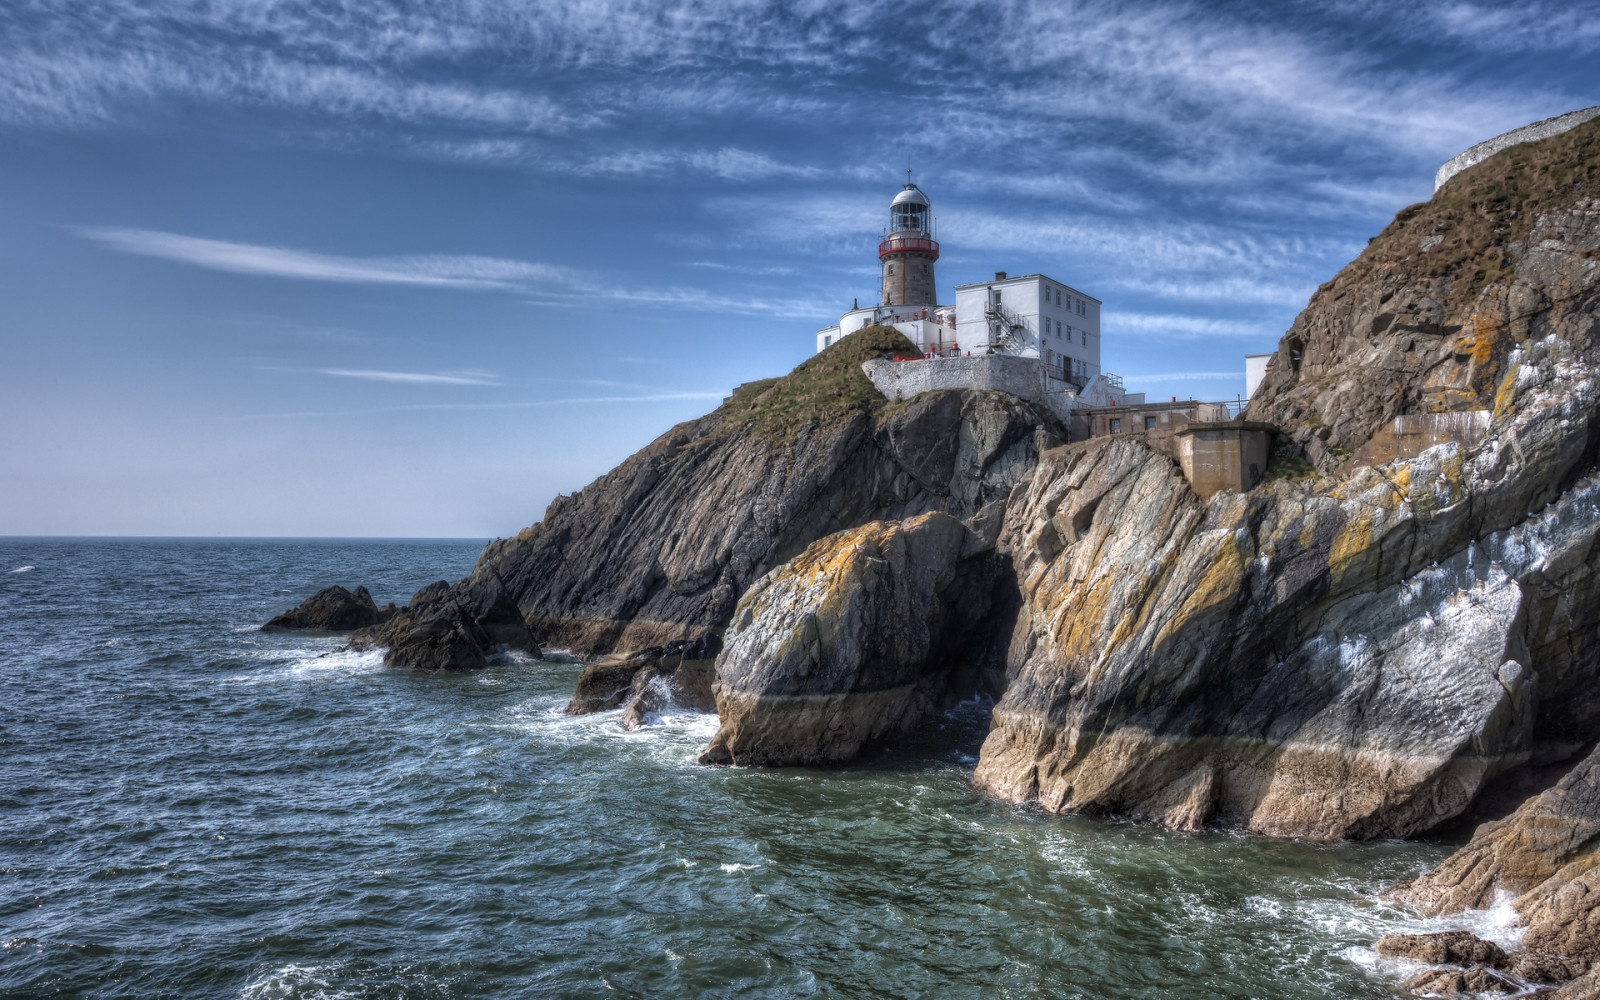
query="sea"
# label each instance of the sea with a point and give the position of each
(193, 808)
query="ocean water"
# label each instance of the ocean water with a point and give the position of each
(192, 808)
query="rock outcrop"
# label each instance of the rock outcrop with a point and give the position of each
(443, 631)
(1355, 656)
(865, 635)
(661, 548)
(333, 609)
(650, 680)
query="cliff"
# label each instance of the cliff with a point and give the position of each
(1355, 653)
(662, 547)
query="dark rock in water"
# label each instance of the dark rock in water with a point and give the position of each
(1460, 982)
(439, 630)
(1445, 948)
(648, 680)
(333, 610)
(860, 637)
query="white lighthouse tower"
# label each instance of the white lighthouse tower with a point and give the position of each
(909, 299)
(909, 250)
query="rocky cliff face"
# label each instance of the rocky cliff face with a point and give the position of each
(1353, 656)
(661, 548)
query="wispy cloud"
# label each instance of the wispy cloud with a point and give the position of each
(419, 378)
(437, 270)
(553, 285)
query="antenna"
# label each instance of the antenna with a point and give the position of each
(908, 175)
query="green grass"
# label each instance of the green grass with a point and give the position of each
(825, 389)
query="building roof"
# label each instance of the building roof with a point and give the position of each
(912, 195)
(1010, 279)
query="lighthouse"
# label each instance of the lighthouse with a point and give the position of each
(908, 250)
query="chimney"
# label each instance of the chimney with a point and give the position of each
(999, 276)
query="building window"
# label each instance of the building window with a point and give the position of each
(891, 268)
(1081, 310)
(1085, 338)
(1058, 296)
(827, 341)
(1149, 423)
(1115, 424)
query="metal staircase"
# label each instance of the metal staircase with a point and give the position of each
(1006, 331)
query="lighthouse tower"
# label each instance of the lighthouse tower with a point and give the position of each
(908, 250)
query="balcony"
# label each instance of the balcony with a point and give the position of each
(908, 244)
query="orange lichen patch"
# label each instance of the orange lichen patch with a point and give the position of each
(1354, 546)
(1506, 394)
(1219, 587)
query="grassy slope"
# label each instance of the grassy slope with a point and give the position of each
(823, 389)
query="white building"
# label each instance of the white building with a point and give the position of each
(1031, 317)
(1255, 369)
(1035, 317)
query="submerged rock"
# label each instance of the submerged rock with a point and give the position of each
(333, 609)
(866, 634)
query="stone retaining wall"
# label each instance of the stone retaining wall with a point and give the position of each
(1021, 377)
(1527, 133)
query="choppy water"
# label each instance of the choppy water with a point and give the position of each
(191, 808)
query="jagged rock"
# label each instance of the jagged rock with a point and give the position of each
(1459, 982)
(649, 680)
(444, 629)
(1543, 968)
(661, 547)
(1586, 987)
(862, 636)
(1359, 655)
(1445, 948)
(334, 609)
(1544, 838)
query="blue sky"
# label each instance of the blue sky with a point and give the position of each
(355, 267)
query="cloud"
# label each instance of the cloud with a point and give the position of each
(726, 164)
(436, 271)
(423, 378)
(557, 286)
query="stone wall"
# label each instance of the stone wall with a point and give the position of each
(1409, 434)
(1527, 133)
(1021, 377)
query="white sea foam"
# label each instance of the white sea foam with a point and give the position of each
(300, 982)
(23, 569)
(736, 867)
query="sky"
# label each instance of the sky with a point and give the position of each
(415, 267)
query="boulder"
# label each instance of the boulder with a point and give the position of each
(1446, 948)
(333, 609)
(1459, 982)
(866, 634)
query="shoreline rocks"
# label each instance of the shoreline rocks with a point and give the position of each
(862, 636)
(333, 609)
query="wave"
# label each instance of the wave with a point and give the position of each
(23, 569)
